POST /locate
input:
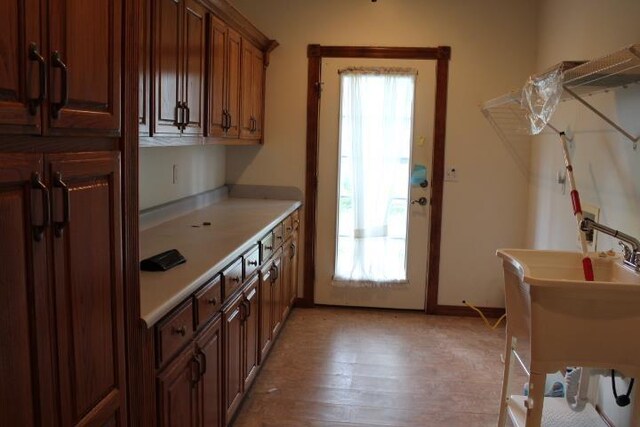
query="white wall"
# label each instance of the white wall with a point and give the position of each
(493, 50)
(606, 167)
(199, 168)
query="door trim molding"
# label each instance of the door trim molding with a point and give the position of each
(315, 53)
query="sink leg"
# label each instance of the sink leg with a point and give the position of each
(635, 419)
(536, 399)
(508, 364)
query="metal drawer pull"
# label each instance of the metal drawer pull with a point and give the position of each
(269, 248)
(182, 330)
(254, 263)
(66, 204)
(37, 184)
(235, 279)
(203, 365)
(34, 55)
(56, 61)
(212, 301)
(195, 373)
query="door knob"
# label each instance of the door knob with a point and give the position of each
(422, 201)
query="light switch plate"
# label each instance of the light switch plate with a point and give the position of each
(451, 175)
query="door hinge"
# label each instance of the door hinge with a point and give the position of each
(319, 87)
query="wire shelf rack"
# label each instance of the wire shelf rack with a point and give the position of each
(580, 79)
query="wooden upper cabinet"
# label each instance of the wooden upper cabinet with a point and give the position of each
(60, 67)
(26, 394)
(144, 67)
(88, 286)
(194, 67)
(224, 81)
(233, 83)
(84, 66)
(167, 51)
(252, 96)
(180, 54)
(257, 94)
(22, 67)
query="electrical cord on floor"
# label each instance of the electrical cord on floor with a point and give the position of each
(486, 321)
(622, 400)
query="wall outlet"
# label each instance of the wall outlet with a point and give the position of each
(451, 174)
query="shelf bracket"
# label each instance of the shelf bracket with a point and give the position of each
(629, 136)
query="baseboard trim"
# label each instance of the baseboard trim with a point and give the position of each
(441, 310)
(461, 310)
(303, 303)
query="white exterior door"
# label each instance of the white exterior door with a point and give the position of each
(412, 293)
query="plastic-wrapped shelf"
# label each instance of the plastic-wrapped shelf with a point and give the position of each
(528, 111)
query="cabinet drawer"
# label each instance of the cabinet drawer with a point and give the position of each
(295, 219)
(251, 261)
(278, 235)
(208, 301)
(173, 332)
(287, 225)
(232, 278)
(266, 248)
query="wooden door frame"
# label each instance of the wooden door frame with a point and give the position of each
(315, 54)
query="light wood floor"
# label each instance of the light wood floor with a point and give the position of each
(348, 367)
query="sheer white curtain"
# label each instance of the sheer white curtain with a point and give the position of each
(376, 122)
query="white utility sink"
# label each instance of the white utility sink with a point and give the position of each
(557, 319)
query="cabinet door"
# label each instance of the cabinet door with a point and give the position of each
(209, 349)
(217, 74)
(194, 69)
(84, 64)
(26, 396)
(144, 67)
(246, 87)
(167, 54)
(265, 310)
(178, 391)
(293, 279)
(22, 65)
(257, 92)
(251, 331)
(276, 295)
(232, 323)
(286, 278)
(232, 82)
(88, 286)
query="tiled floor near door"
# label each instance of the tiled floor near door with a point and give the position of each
(349, 367)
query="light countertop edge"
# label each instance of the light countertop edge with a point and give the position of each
(153, 315)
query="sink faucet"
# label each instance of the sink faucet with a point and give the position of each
(631, 245)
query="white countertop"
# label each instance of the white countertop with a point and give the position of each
(236, 224)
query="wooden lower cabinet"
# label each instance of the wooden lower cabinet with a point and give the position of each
(251, 331)
(26, 389)
(209, 349)
(265, 337)
(177, 391)
(189, 392)
(205, 383)
(61, 299)
(233, 325)
(241, 320)
(276, 295)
